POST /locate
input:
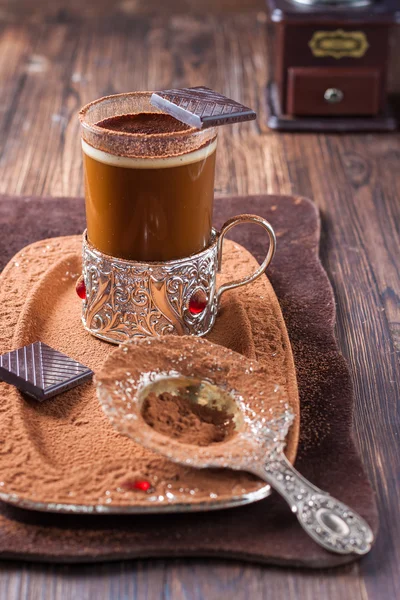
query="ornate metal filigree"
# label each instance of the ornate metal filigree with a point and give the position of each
(126, 299)
(328, 521)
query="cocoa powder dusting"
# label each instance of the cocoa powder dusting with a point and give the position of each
(143, 123)
(188, 422)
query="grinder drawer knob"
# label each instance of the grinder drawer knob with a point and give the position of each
(333, 95)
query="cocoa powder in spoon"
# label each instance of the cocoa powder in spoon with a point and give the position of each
(186, 421)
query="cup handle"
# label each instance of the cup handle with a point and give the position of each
(271, 251)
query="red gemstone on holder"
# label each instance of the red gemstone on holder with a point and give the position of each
(138, 484)
(197, 302)
(81, 288)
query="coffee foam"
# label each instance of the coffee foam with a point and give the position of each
(149, 163)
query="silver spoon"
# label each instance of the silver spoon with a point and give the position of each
(257, 447)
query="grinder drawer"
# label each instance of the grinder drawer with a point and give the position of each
(333, 91)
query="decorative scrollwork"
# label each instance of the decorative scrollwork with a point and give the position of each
(125, 299)
(328, 521)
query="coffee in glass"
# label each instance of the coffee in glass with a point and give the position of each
(149, 180)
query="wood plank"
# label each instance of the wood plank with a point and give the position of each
(74, 10)
(56, 58)
(176, 580)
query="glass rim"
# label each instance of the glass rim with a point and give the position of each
(124, 134)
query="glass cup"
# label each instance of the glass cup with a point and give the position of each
(149, 196)
(150, 254)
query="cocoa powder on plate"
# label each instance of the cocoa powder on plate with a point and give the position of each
(65, 450)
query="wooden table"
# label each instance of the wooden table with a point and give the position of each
(55, 57)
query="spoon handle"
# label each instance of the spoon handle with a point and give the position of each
(332, 524)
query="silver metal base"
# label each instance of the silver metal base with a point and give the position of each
(156, 507)
(127, 299)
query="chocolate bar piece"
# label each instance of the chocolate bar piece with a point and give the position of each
(201, 107)
(42, 372)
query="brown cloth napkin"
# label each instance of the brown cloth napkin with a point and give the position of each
(264, 531)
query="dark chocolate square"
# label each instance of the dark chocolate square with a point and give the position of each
(201, 107)
(42, 372)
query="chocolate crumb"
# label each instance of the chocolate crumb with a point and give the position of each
(187, 421)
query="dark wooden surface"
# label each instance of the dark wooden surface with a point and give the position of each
(56, 56)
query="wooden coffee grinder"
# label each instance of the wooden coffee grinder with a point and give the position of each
(330, 62)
